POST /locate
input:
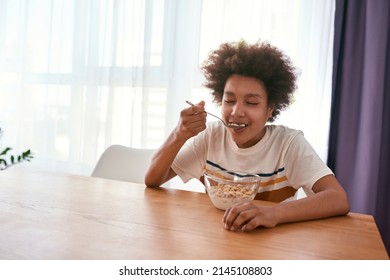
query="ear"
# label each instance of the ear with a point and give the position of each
(271, 109)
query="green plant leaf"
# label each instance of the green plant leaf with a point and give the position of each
(14, 159)
(5, 151)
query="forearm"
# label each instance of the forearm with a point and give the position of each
(160, 168)
(329, 199)
(321, 205)
(192, 121)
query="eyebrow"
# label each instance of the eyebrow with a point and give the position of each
(249, 95)
(253, 95)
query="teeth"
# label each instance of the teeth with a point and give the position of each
(237, 124)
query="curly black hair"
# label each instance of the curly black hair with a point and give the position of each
(261, 61)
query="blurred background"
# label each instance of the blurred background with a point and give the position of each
(78, 76)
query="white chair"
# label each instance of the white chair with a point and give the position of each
(123, 163)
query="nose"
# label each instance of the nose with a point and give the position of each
(238, 110)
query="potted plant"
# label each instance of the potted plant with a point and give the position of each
(6, 159)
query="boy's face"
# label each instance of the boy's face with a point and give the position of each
(245, 102)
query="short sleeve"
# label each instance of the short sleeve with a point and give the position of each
(190, 161)
(303, 165)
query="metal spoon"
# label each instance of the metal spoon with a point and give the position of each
(227, 125)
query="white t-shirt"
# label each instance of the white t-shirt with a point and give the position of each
(283, 158)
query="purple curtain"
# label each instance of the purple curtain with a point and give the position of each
(359, 141)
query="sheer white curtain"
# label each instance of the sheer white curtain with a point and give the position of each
(77, 76)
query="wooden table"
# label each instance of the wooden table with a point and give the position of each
(46, 215)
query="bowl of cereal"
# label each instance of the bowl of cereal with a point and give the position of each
(227, 188)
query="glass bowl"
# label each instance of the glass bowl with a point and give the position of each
(227, 188)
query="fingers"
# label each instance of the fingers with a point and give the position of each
(201, 103)
(195, 109)
(237, 217)
(193, 120)
(193, 117)
(247, 216)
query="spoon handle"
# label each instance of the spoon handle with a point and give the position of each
(192, 104)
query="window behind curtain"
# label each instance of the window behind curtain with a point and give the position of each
(77, 76)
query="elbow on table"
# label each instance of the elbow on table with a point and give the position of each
(344, 206)
(150, 181)
(153, 179)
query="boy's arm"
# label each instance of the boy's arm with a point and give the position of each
(329, 200)
(192, 121)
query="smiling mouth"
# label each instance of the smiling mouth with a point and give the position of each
(238, 125)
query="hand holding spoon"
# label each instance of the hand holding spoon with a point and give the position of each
(226, 124)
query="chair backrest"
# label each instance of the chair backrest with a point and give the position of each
(123, 163)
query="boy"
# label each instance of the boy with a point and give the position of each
(252, 84)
